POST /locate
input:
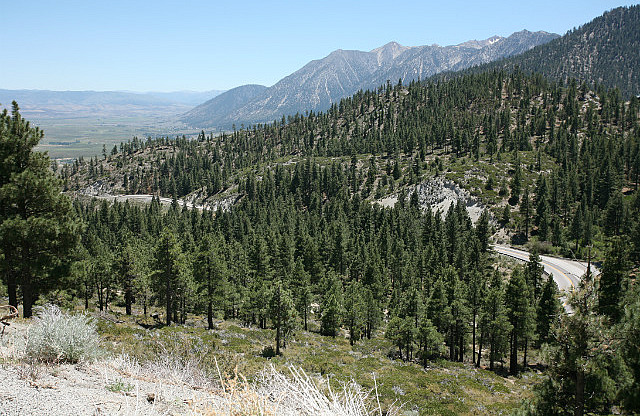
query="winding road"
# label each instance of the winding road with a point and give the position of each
(565, 272)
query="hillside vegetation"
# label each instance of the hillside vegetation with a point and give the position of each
(313, 243)
(603, 51)
(305, 247)
(323, 82)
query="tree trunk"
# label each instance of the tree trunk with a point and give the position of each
(86, 297)
(106, 299)
(168, 306)
(461, 347)
(27, 298)
(473, 354)
(305, 319)
(579, 405)
(479, 349)
(100, 297)
(525, 364)
(513, 359)
(210, 314)
(128, 300)
(278, 340)
(12, 288)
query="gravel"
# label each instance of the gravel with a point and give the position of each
(111, 386)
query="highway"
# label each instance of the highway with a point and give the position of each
(147, 199)
(565, 272)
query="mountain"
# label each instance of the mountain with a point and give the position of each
(53, 104)
(206, 114)
(424, 61)
(320, 83)
(603, 51)
(186, 97)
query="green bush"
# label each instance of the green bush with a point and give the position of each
(268, 352)
(59, 337)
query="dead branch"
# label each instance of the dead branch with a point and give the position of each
(13, 312)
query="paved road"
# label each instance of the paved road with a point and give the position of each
(147, 199)
(566, 273)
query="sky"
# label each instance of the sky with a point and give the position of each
(217, 45)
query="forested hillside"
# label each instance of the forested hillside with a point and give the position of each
(603, 51)
(305, 246)
(557, 166)
(564, 160)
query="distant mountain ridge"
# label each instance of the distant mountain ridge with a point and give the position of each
(605, 51)
(323, 82)
(47, 103)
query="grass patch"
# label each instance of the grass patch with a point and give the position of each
(443, 388)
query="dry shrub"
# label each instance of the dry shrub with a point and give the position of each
(56, 336)
(297, 394)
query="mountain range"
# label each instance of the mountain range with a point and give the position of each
(323, 82)
(604, 51)
(42, 104)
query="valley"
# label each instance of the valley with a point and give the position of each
(462, 240)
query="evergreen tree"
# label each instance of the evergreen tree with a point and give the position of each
(354, 311)
(533, 273)
(170, 270)
(521, 316)
(38, 228)
(210, 273)
(430, 341)
(549, 308)
(580, 374)
(282, 313)
(332, 307)
(494, 324)
(629, 329)
(613, 282)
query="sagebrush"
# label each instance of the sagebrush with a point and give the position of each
(56, 336)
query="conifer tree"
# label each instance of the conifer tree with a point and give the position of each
(282, 313)
(521, 316)
(430, 341)
(210, 273)
(494, 324)
(613, 281)
(332, 308)
(549, 308)
(354, 311)
(170, 270)
(38, 228)
(580, 373)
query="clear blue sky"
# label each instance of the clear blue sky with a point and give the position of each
(203, 45)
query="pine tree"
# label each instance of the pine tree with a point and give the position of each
(580, 374)
(38, 228)
(303, 295)
(521, 316)
(210, 273)
(613, 281)
(282, 313)
(332, 305)
(533, 273)
(170, 270)
(629, 329)
(330, 319)
(438, 310)
(430, 341)
(494, 324)
(354, 311)
(549, 308)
